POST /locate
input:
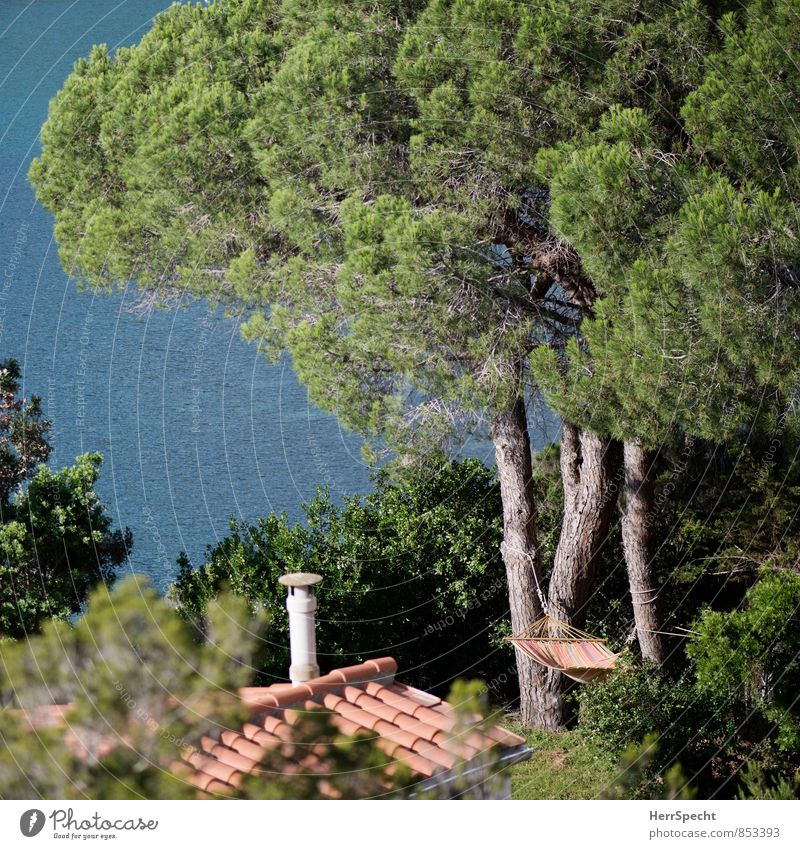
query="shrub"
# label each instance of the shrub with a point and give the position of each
(56, 543)
(690, 725)
(412, 570)
(753, 654)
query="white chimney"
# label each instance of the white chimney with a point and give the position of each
(301, 602)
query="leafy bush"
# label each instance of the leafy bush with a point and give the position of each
(412, 570)
(634, 775)
(133, 673)
(757, 784)
(56, 543)
(753, 654)
(690, 724)
(23, 434)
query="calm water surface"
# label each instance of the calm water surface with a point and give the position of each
(194, 425)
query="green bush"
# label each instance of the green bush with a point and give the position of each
(690, 724)
(753, 654)
(412, 570)
(56, 544)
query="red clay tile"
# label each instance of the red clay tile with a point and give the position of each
(216, 769)
(479, 742)
(197, 759)
(242, 745)
(331, 700)
(287, 698)
(460, 749)
(208, 743)
(427, 699)
(320, 687)
(413, 727)
(402, 703)
(370, 704)
(395, 734)
(258, 698)
(386, 667)
(435, 753)
(504, 737)
(430, 717)
(233, 758)
(345, 726)
(266, 740)
(417, 727)
(349, 674)
(357, 715)
(250, 730)
(415, 762)
(220, 787)
(201, 780)
(276, 727)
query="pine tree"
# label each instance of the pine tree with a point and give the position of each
(364, 180)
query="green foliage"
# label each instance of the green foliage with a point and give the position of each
(634, 779)
(23, 434)
(352, 175)
(410, 570)
(56, 540)
(756, 784)
(696, 324)
(753, 653)
(742, 114)
(689, 723)
(483, 776)
(720, 513)
(56, 543)
(140, 689)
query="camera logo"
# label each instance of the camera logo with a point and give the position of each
(31, 822)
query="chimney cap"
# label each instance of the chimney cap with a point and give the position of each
(299, 579)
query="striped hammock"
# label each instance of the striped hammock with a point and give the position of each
(574, 653)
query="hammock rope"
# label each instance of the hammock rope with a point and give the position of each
(558, 645)
(542, 599)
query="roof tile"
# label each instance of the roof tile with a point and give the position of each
(413, 727)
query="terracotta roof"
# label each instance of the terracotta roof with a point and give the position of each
(412, 727)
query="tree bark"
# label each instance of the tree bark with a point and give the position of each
(521, 554)
(590, 468)
(637, 545)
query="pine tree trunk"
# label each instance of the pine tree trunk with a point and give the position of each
(521, 555)
(637, 545)
(589, 466)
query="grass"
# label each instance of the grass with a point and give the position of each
(563, 766)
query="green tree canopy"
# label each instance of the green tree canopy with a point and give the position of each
(354, 178)
(56, 543)
(23, 434)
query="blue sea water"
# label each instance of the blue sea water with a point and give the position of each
(195, 426)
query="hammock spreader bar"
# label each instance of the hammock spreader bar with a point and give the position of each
(557, 645)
